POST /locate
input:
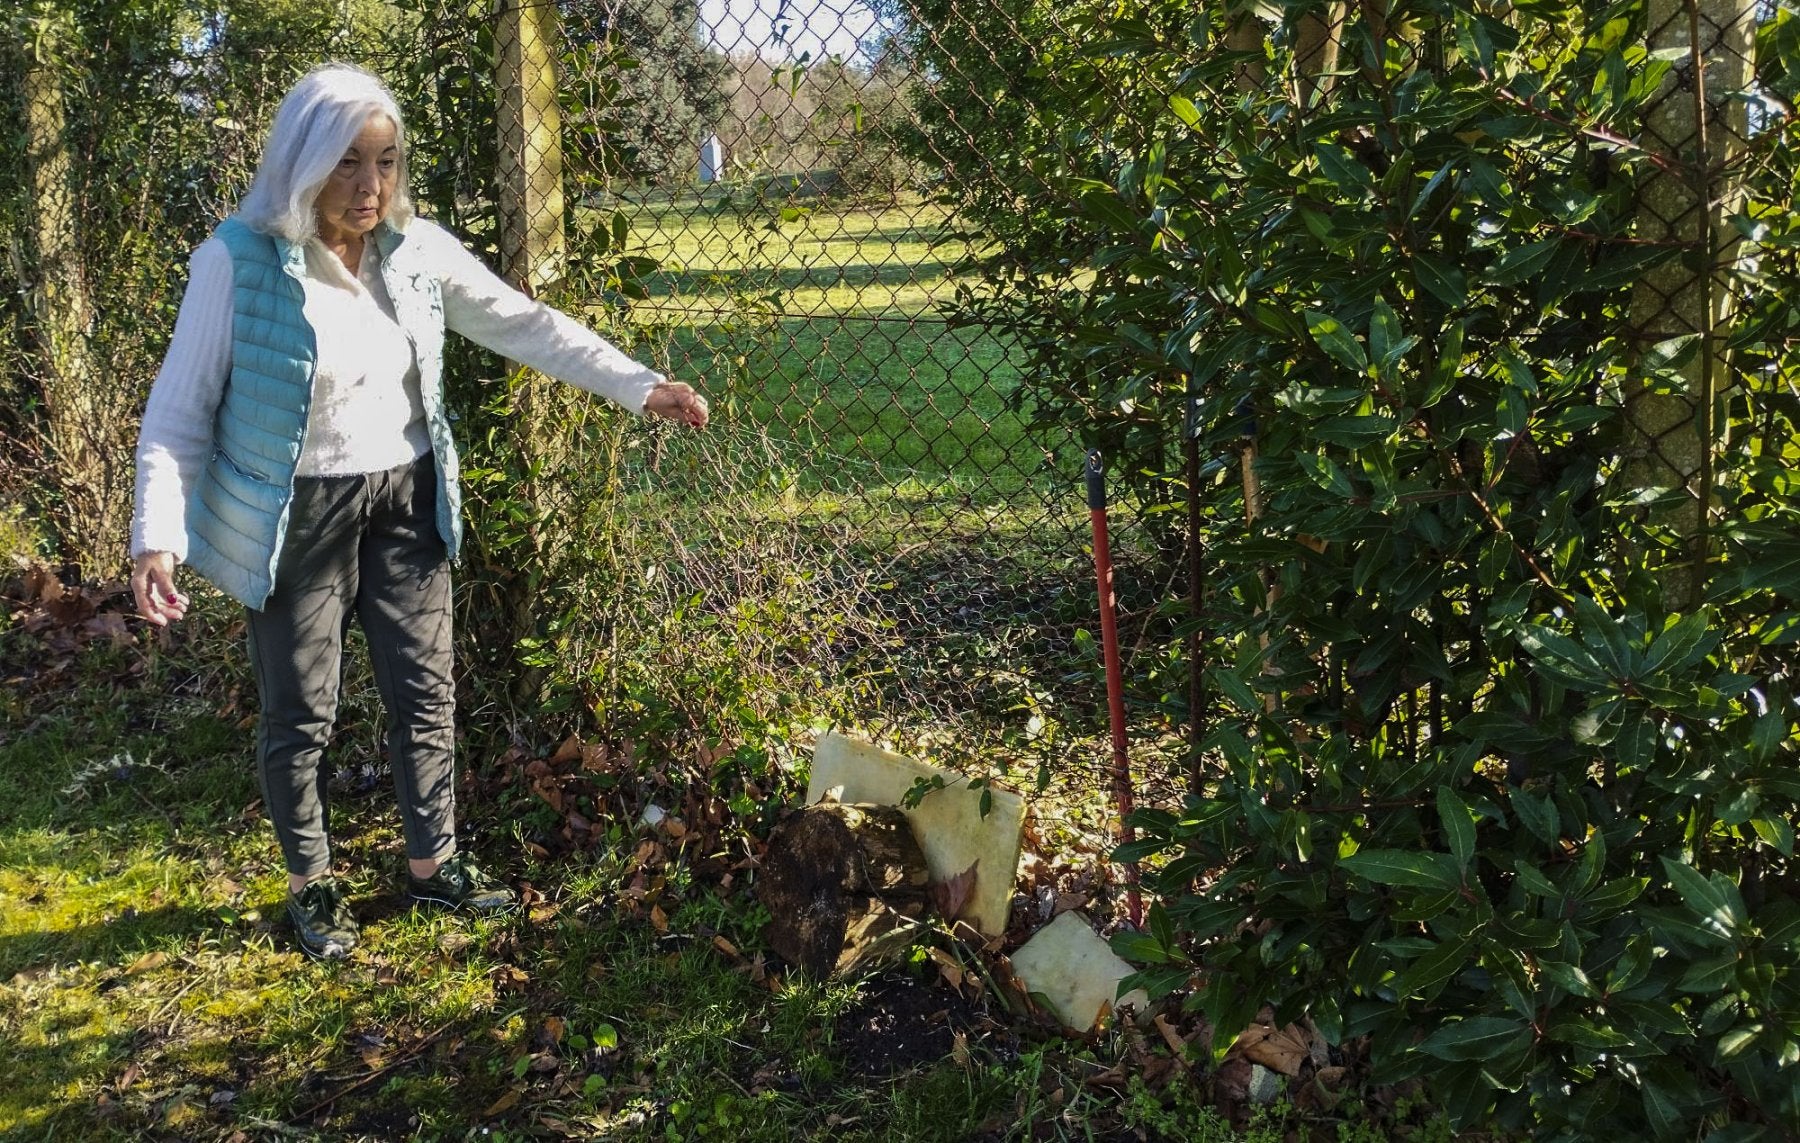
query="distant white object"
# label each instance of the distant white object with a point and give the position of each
(712, 159)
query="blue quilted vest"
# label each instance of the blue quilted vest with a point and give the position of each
(238, 511)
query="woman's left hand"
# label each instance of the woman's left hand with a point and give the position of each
(677, 401)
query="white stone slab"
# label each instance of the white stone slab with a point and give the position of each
(948, 823)
(1074, 971)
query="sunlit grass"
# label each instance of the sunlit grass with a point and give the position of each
(822, 324)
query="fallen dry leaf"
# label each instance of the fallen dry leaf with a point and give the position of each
(948, 968)
(148, 961)
(594, 758)
(507, 1101)
(952, 893)
(507, 976)
(1278, 1050)
(569, 751)
(1170, 1036)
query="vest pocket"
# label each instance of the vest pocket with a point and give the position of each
(241, 469)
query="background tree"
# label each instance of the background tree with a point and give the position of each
(671, 81)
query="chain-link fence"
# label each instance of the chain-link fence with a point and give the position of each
(748, 200)
(810, 213)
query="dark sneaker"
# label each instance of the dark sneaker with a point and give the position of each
(322, 920)
(460, 884)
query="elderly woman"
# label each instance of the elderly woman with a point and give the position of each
(296, 452)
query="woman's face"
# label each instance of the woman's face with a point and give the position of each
(356, 195)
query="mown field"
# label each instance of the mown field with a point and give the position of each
(822, 322)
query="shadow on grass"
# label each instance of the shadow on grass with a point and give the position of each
(822, 275)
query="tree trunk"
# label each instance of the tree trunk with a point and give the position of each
(1698, 122)
(844, 886)
(61, 309)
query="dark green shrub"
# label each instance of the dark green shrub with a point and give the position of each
(1503, 737)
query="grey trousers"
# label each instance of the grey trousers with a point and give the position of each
(363, 546)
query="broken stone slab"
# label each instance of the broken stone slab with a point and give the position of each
(1074, 972)
(948, 822)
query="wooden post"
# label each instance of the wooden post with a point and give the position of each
(1699, 123)
(532, 247)
(533, 250)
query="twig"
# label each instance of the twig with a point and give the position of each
(410, 1055)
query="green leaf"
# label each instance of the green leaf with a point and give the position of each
(1459, 831)
(1736, 1041)
(1161, 928)
(1534, 881)
(1715, 900)
(1103, 205)
(1710, 975)
(1632, 966)
(1680, 926)
(1325, 472)
(1777, 832)
(1506, 967)
(1233, 687)
(1403, 867)
(1607, 899)
(1342, 168)
(1449, 366)
(1156, 982)
(1384, 330)
(1522, 262)
(1568, 977)
(1466, 1094)
(1538, 814)
(1638, 735)
(1477, 1038)
(1184, 110)
(1666, 1118)
(1598, 725)
(1335, 339)
(1441, 280)
(1561, 656)
(1683, 643)
(1139, 948)
(1432, 968)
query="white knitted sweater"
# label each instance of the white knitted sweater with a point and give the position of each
(366, 413)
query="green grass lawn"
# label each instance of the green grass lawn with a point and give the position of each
(150, 989)
(148, 986)
(822, 325)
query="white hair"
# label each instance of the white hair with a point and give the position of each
(317, 122)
